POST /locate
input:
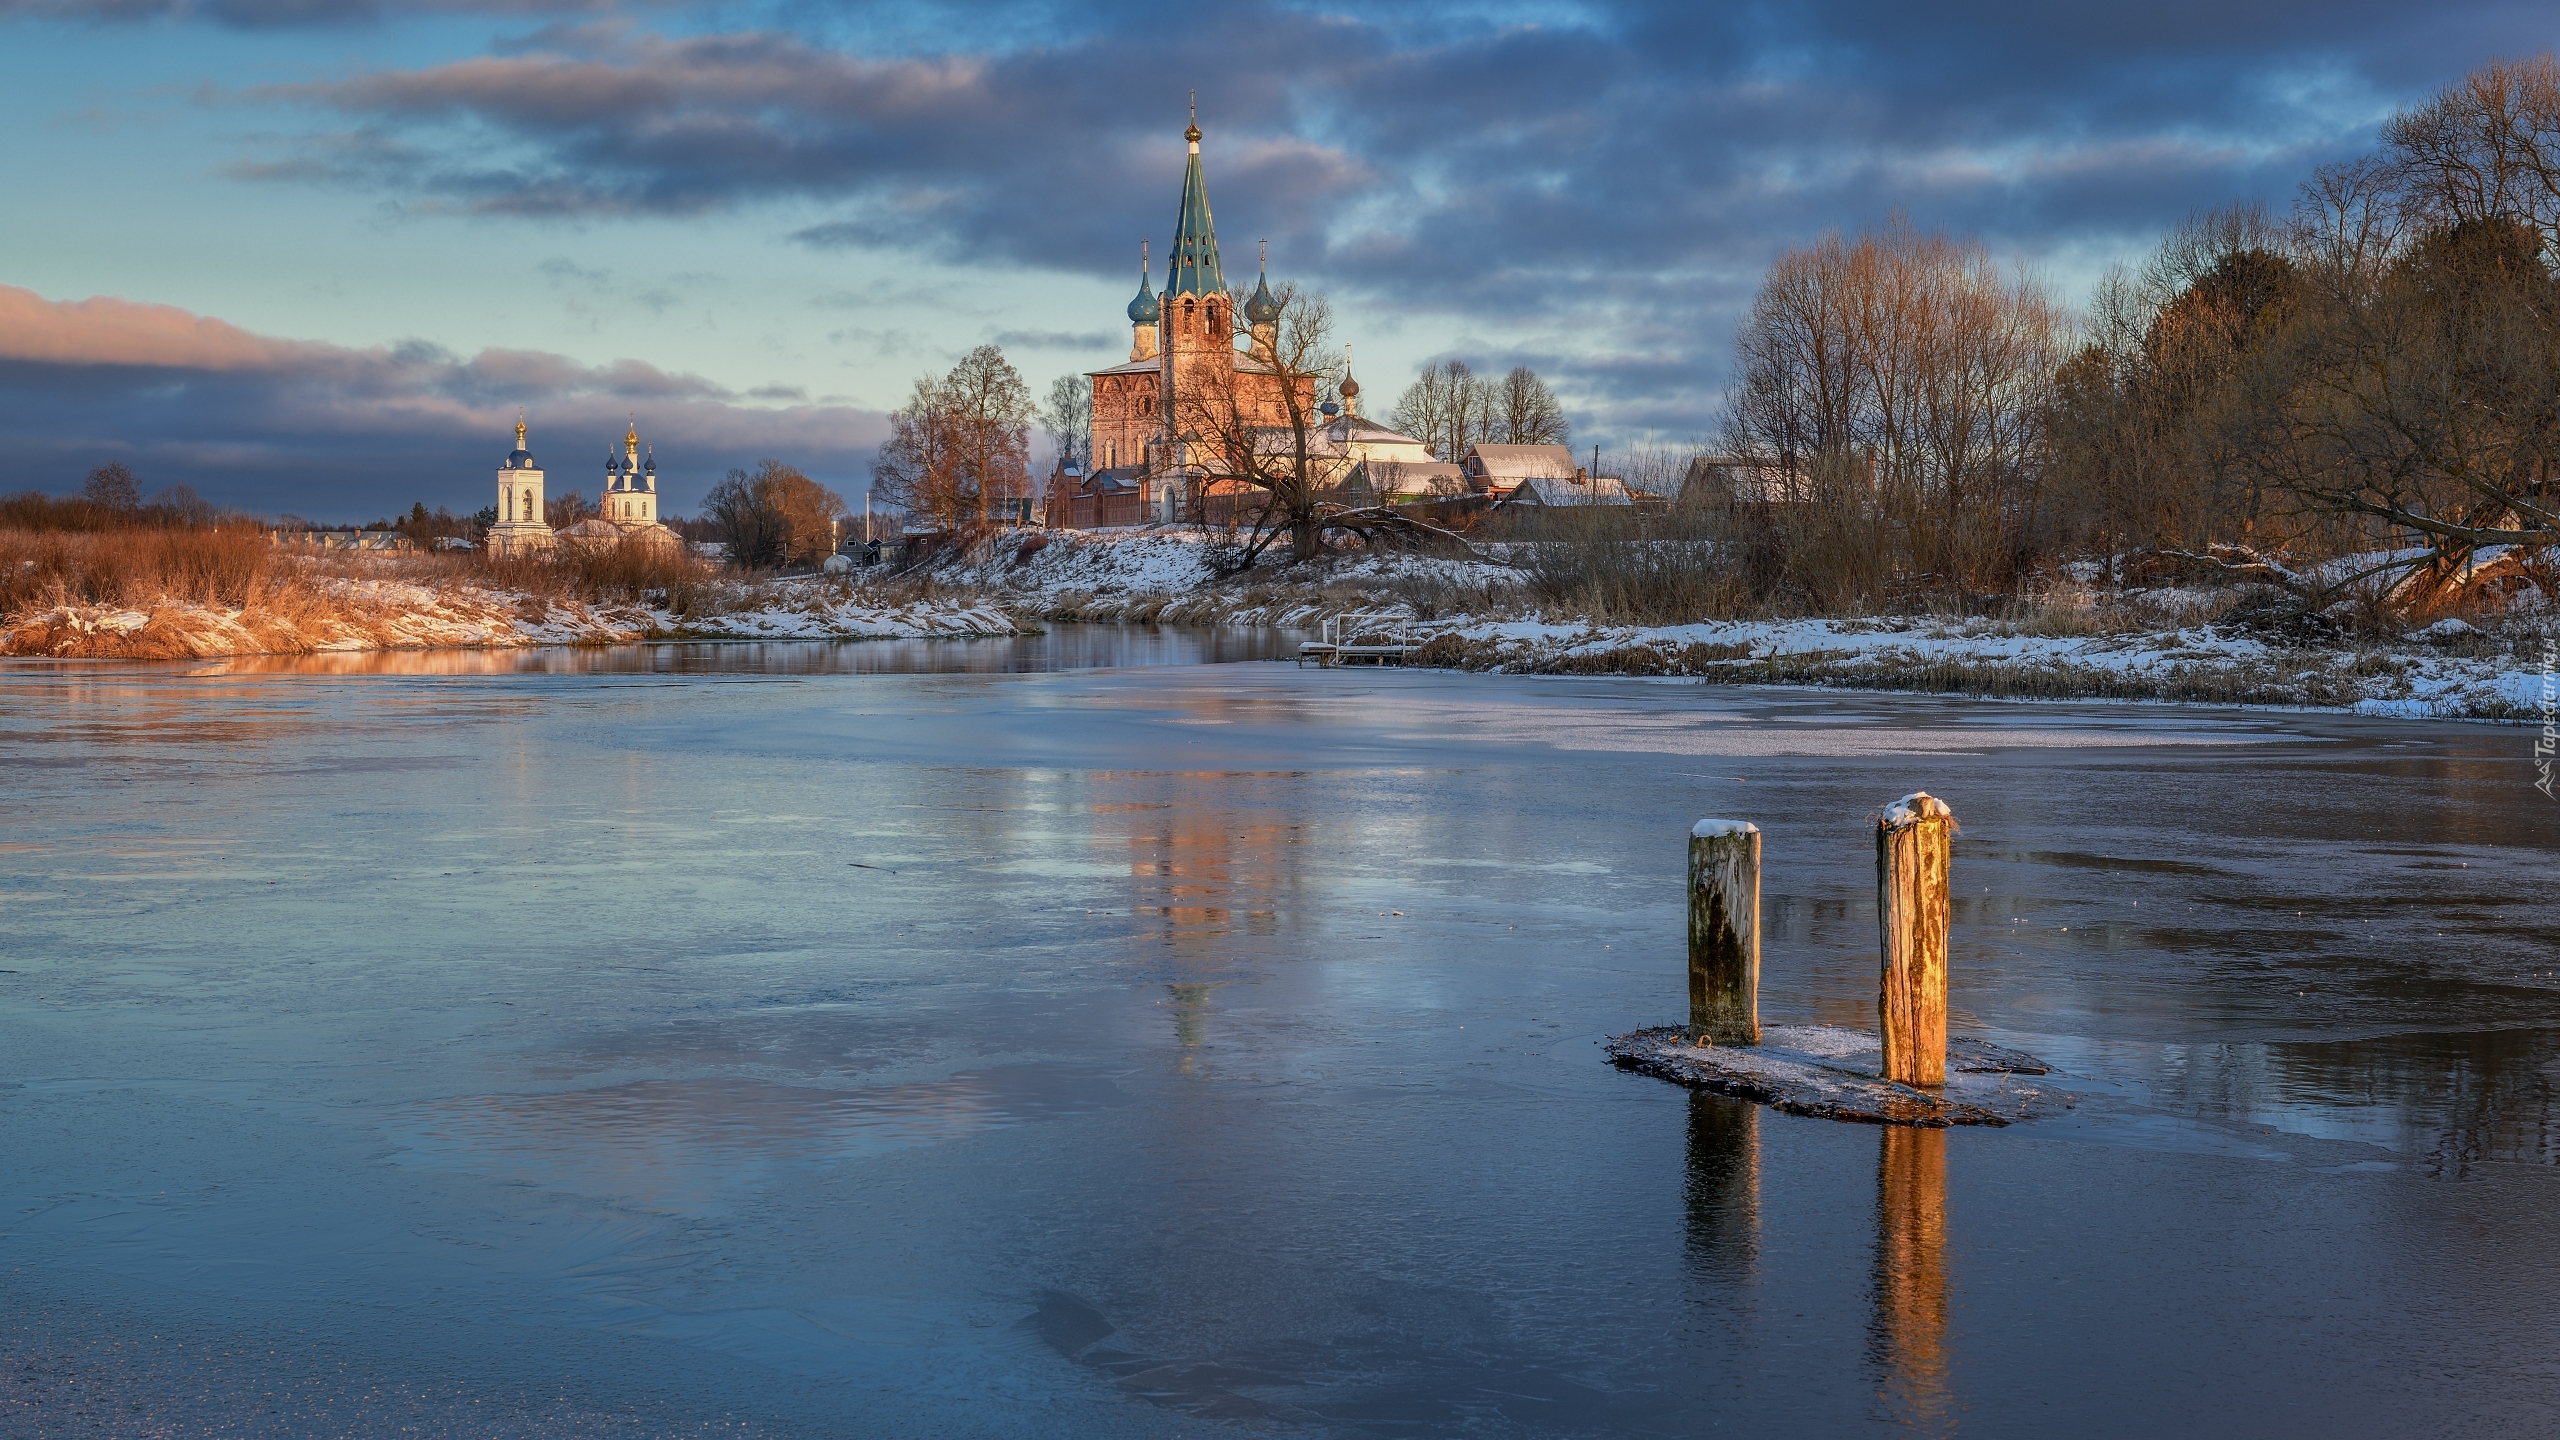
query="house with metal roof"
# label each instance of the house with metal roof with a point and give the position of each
(1497, 470)
(1547, 492)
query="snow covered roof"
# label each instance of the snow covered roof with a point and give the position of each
(1505, 465)
(1595, 490)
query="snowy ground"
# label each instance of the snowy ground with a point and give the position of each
(1477, 614)
(359, 614)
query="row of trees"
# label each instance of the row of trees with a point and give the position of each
(1899, 380)
(2379, 367)
(1449, 407)
(110, 498)
(2383, 364)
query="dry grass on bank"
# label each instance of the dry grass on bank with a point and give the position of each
(145, 592)
(214, 565)
(235, 566)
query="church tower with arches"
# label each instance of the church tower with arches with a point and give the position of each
(521, 529)
(1183, 350)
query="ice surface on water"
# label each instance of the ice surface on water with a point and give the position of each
(728, 1032)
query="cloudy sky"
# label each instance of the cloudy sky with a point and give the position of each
(312, 254)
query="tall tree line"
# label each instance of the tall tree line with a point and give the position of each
(2378, 367)
(1449, 407)
(1897, 381)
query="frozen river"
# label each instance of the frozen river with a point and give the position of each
(1068, 1037)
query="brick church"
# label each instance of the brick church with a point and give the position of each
(1182, 351)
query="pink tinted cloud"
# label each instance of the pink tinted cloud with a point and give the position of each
(265, 420)
(105, 330)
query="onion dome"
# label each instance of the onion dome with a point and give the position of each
(1144, 309)
(1262, 309)
(1350, 388)
(520, 458)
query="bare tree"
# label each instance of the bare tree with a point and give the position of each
(1523, 411)
(918, 467)
(961, 445)
(772, 516)
(2416, 388)
(112, 487)
(1911, 358)
(563, 511)
(2486, 147)
(991, 428)
(1254, 437)
(2427, 400)
(1446, 408)
(1068, 417)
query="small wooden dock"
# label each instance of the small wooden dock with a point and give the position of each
(1333, 650)
(1325, 652)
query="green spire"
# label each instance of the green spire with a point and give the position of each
(1193, 266)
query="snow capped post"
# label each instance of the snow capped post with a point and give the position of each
(1914, 841)
(1724, 932)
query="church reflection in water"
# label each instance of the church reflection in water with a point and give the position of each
(1907, 1338)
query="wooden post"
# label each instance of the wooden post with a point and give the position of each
(1914, 840)
(1724, 932)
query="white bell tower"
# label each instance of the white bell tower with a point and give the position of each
(521, 529)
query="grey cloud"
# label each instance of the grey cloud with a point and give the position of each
(1620, 170)
(282, 14)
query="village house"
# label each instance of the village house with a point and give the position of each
(1723, 479)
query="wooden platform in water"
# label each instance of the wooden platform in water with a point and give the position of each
(1325, 652)
(1834, 1074)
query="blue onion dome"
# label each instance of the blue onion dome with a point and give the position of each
(1262, 309)
(1144, 309)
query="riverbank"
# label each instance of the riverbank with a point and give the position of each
(2226, 645)
(346, 613)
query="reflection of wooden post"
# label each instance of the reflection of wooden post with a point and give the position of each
(1724, 932)
(1913, 843)
(1911, 1268)
(1723, 1189)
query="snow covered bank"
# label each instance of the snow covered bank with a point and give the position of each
(2228, 665)
(365, 614)
(2194, 644)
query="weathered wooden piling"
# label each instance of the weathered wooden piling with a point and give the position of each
(1914, 843)
(1724, 932)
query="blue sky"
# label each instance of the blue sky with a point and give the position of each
(310, 255)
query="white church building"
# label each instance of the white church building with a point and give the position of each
(626, 512)
(520, 530)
